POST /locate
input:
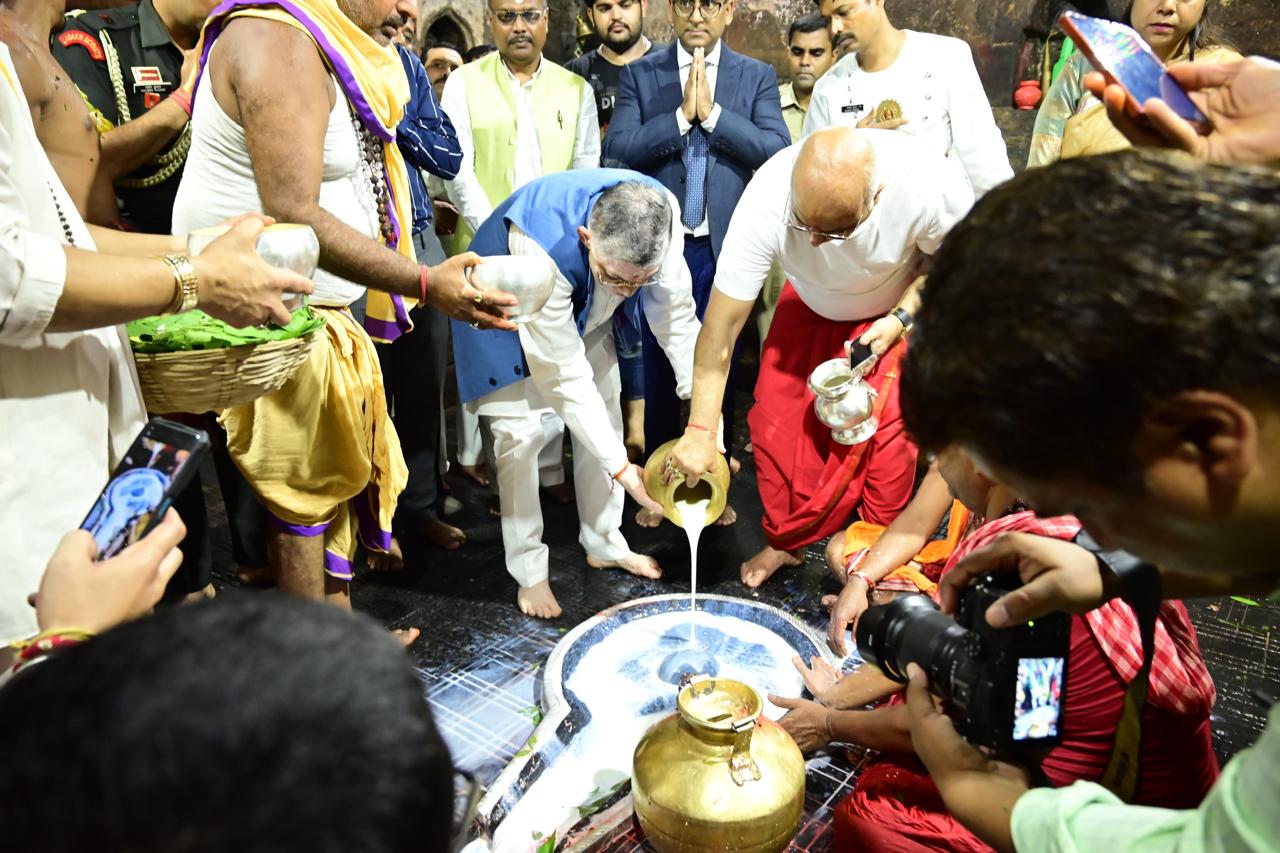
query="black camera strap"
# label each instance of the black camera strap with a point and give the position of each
(1143, 591)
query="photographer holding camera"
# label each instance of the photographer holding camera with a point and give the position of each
(1161, 329)
(1064, 719)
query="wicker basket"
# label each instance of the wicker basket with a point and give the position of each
(213, 379)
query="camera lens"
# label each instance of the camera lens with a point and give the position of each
(911, 629)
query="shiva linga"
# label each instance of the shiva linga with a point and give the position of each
(288, 245)
(530, 280)
(712, 488)
(718, 775)
(843, 400)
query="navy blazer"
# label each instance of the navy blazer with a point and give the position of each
(644, 136)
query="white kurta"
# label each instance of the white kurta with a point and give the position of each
(69, 402)
(937, 86)
(925, 194)
(576, 376)
(465, 190)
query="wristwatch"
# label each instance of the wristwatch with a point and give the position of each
(186, 290)
(902, 317)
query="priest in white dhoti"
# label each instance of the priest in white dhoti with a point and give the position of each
(612, 235)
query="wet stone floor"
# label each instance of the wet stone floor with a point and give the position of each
(479, 657)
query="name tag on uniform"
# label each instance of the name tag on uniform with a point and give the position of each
(852, 108)
(147, 77)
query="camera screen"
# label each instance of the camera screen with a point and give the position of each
(126, 506)
(1038, 699)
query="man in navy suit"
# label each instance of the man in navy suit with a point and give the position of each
(700, 119)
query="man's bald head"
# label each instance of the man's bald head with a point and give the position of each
(831, 182)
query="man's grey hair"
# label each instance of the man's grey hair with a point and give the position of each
(631, 224)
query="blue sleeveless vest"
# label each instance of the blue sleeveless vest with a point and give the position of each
(548, 209)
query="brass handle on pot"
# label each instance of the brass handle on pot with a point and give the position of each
(742, 767)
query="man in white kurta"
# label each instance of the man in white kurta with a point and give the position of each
(69, 402)
(924, 85)
(571, 365)
(518, 116)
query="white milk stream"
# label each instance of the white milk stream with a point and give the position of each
(694, 516)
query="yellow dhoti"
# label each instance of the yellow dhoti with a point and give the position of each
(321, 452)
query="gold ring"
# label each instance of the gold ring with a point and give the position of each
(479, 298)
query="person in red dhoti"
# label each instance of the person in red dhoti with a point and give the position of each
(896, 807)
(849, 215)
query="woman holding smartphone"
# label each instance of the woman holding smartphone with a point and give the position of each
(1073, 123)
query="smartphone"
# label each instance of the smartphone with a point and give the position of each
(1127, 61)
(160, 463)
(859, 356)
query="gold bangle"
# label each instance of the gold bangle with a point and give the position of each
(186, 287)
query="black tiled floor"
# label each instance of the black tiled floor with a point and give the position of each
(480, 657)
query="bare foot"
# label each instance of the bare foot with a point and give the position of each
(441, 535)
(200, 595)
(729, 516)
(255, 575)
(561, 493)
(538, 601)
(495, 506)
(406, 636)
(392, 561)
(761, 567)
(476, 473)
(638, 564)
(648, 518)
(734, 467)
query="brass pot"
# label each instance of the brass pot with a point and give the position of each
(718, 775)
(713, 486)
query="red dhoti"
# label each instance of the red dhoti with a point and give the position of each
(809, 484)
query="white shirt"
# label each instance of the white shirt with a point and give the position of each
(69, 402)
(465, 190)
(935, 83)
(925, 194)
(560, 376)
(218, 183)
(711, 61)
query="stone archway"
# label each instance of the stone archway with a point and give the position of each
(448, 28)
(452, 22)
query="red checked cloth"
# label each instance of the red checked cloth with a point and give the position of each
(1179, 681)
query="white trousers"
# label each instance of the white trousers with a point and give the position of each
(516, 448)
(475, 445)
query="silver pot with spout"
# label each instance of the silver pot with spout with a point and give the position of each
(530, 280)
(844, 401)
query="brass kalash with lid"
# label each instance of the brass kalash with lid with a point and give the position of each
(718, 774)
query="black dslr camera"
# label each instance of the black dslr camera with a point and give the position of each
(1003, 687)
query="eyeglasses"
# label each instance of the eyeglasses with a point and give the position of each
(466, 797)
(507, 17)
(710, 8)
(608, 280)
(797, 225)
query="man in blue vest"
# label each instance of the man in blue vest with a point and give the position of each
(609, 232)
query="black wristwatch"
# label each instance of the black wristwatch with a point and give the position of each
(902, 317)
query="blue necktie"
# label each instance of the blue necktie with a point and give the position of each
(694, 209)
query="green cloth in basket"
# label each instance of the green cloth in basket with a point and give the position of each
(196, 330)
